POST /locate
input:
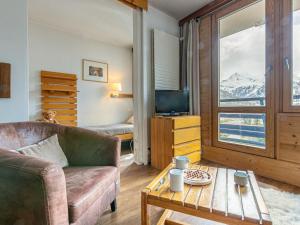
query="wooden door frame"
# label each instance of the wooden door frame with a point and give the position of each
(287, 48)
(270, 81)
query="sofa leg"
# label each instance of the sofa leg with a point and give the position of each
(113, 205)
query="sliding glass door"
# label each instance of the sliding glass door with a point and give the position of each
(243, 76)
(291, 59)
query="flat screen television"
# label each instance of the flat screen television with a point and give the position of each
(169, 102)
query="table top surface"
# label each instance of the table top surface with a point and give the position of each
(222, 196)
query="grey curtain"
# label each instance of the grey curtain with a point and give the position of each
(189, 63)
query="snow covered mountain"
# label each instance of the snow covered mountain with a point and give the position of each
(241, 86)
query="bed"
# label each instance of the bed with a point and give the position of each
(124, 131)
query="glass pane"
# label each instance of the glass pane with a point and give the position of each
(242, 57)
(296, 52)
(243, 129)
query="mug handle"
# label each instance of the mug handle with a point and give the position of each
(173, 160)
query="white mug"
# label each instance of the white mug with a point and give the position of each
(181, 162)
(176, 180)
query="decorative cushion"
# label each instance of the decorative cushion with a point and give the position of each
(130, 120)
(48, 149)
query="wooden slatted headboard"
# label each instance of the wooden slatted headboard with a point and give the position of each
(59, 93)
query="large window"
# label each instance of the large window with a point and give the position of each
(242, 74)
(242, 57)
(296, 52)
(291, 43)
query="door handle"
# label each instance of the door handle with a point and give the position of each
(269, 69)
(287, 63)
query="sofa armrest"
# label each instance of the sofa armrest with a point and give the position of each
(32, 191)
(88, 148)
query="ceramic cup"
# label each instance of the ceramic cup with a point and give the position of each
(241, 178)
(176, 180)
(181, 162)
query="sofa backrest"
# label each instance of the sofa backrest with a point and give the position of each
(17, 135)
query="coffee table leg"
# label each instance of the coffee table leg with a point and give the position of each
(145, 210)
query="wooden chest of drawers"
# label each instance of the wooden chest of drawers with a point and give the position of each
(173, 136)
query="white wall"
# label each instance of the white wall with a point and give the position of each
(54, 50)
(144, 23)
(155, 19)
(14, 50)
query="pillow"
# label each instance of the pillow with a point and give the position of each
(130, 120)
(48, 149)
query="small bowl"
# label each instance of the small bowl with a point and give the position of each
(241, 178)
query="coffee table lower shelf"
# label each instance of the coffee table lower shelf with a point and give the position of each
(221, 201)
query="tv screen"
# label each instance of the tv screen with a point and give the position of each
(171, 102)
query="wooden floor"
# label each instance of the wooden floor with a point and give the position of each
(134, 178)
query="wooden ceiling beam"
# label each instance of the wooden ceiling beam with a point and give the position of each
(205, 10)
(142, 4)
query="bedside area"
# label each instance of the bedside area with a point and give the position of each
(174, 136)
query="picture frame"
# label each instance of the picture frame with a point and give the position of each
(94, 71)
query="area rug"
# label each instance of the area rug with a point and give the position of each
(284, 207)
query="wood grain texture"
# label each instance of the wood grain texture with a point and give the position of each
(122, 95)
(239, 205)
(125, 137)
(171, 136)
(134, 178)
(206, 80)
(186, 122)
(194, 156)
(268, 109)
(287, 53)
(209, 8)
(51, 74)
(59, 93)
(186, 148)
(288, 137)
(186, 135)
(5, 71)
(143, 4)
(271, 168)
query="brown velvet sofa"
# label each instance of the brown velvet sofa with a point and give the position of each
(37, 192)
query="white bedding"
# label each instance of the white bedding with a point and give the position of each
(114, 129)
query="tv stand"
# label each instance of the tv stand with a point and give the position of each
(173, 136)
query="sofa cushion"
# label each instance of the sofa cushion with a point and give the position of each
(85, 185)
(48, 149)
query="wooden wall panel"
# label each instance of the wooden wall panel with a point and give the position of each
(143, 4)
(206, 80)
(284, 171)
(5, 80)
(59, 93)
(288, 137)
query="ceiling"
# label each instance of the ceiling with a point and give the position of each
(102, 20)
(179, 8)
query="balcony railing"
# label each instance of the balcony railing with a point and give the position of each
(246, 134)
(253, 135)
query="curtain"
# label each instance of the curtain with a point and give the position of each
(189, 63)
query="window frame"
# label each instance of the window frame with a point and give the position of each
(268, 109)
(287, 49)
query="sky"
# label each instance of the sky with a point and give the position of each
(244, 52)
(296, 43)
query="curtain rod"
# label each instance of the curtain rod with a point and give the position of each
(211, 8)
(221, 7)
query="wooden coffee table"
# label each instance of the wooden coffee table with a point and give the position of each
(221, 201)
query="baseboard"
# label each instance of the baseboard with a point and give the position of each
(283, 171)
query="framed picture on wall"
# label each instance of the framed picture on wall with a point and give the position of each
(95, 71)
